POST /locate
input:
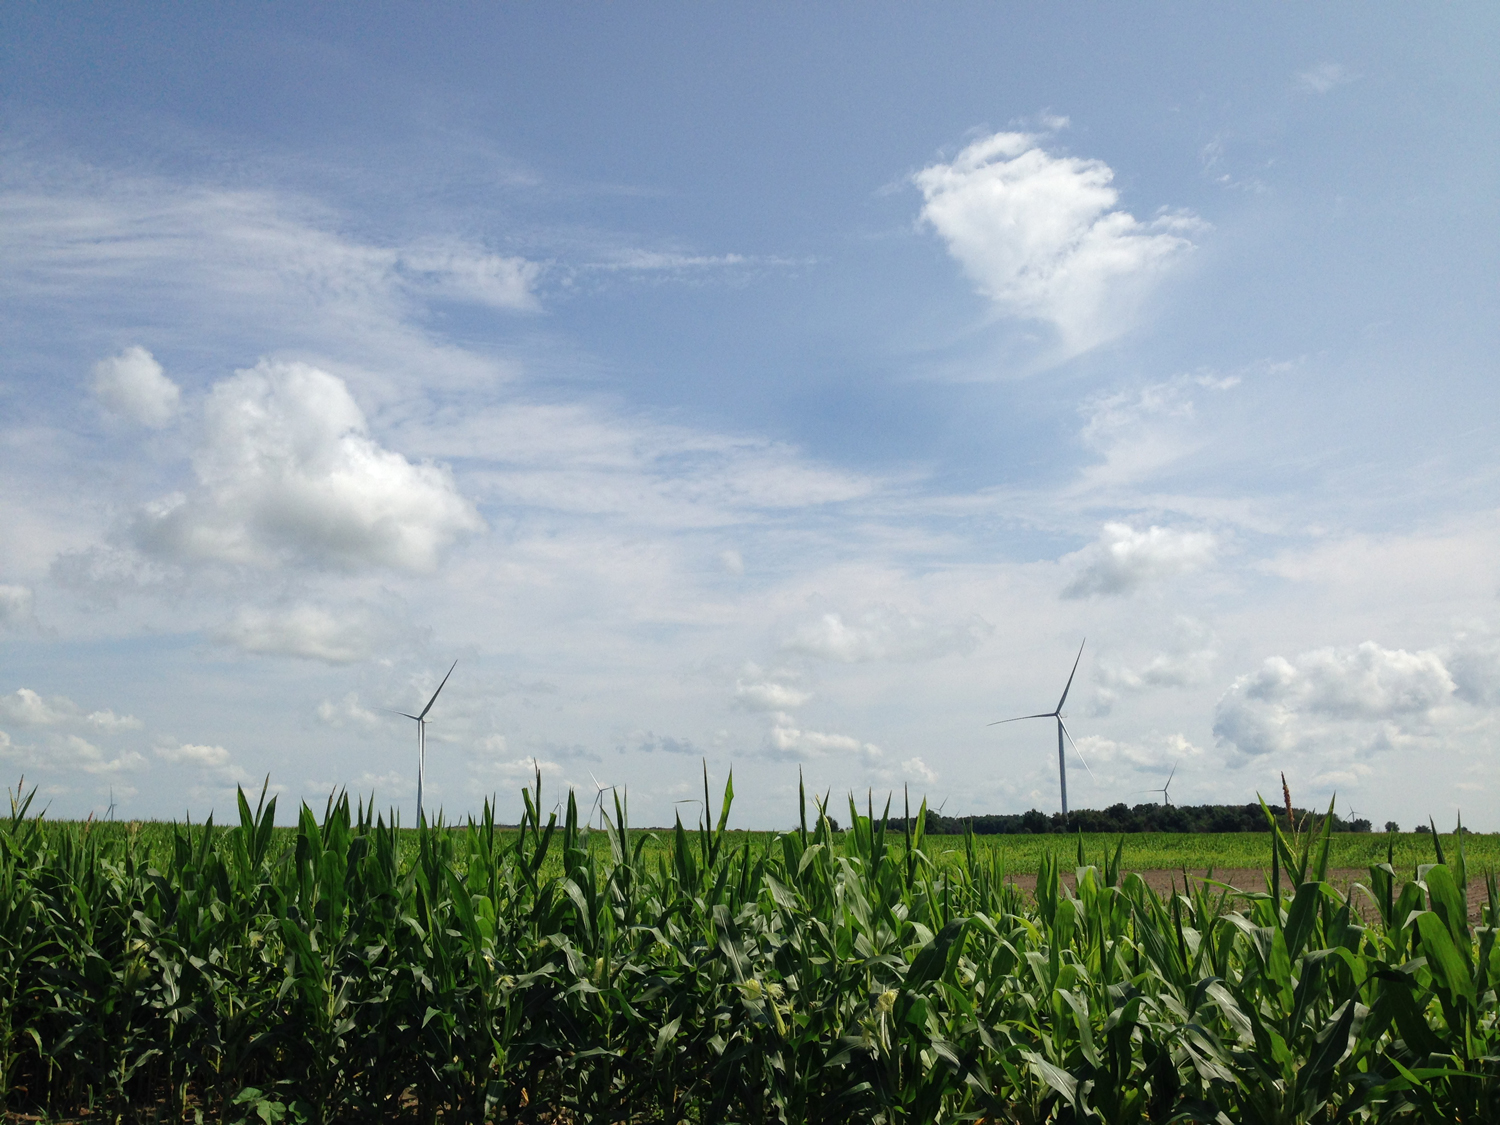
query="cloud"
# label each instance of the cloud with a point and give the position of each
(288, 472)
(28, 709)
(1123, 559)
(205, 757)
(1165, 669)
(349, 712)
(1154, 752)
(648, 742)
(459, 273)
(214, 765)
(241, 261)
(1288, 704)
(1323, 77)
(17, 608)
(67, 754)
(131, 385)
(1040, 236)
(75, 753)
(884, 632)
(1116, 415)
(767, 695)
(1474, 664)
(915, 769)
(1187, 662)
(789, 741)
(309, 631)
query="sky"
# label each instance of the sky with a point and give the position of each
(789, 390)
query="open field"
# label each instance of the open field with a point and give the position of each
(1018, 855)
(343, 971)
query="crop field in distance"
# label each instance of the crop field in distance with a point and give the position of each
(1018, 855)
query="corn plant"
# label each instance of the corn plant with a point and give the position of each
(346, 969)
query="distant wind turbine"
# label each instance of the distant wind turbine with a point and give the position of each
(1062, 732)
(422, 738)
(1165, 797)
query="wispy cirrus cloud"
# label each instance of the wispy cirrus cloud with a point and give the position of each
(1322, 78)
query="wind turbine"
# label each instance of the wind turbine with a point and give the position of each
(1165, 798)
(422, 738)
(1062, 732)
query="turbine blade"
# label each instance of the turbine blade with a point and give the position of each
(403, 714)
(1071, 674)
(1171, 775)
(435, 694)
(1063, 727)
(1018, 718)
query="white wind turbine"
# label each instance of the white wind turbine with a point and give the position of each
(1062, 732)
(1165, 796)
(422, 738)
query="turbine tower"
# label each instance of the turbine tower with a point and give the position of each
(1062, 732)
(422, 738)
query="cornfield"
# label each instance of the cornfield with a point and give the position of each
(809, 976)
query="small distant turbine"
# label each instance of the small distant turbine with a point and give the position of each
(422, 738)
(1062, 731)
(599, 790)
(1165, 797)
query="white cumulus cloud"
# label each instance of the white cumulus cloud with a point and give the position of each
(289, 472)
(1124, 559)
(133, 386)
(915, 769)
(28, 709)
(1331, 695)
(1042, 237)
(206, 757)
(787, 740)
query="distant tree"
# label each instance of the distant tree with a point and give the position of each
(1359, 824)
(1392, 826)
(1423, 828)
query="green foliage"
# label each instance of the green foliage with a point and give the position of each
(343, 970)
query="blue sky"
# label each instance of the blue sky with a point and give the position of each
(790, 389)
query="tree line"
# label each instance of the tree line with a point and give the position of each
(1127, 818)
